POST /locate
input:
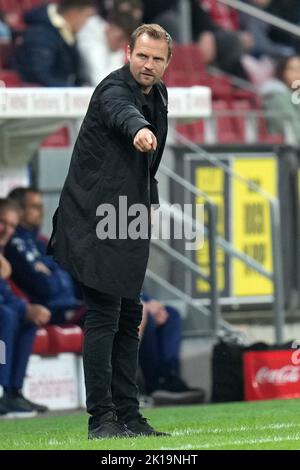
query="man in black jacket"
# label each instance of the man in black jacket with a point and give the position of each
(47, 53)
(112, 173)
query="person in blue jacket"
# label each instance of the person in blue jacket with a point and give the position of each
(37, 274)
(159, 355)
(47, 53)
(18, 324)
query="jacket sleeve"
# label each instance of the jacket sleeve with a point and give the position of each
(35, 283)
(281, 110)
(120, 112)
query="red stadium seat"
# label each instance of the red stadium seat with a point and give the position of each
(41, 342)
(60, 139)
(186, 67)
(64, 339)
(187, 57)
(19, 6)
(220, 86)
(240, 120)
(193, 131)
(10, 78)
(226, 133)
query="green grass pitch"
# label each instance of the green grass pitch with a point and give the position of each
(256, 425)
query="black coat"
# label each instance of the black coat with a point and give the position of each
(104, 166)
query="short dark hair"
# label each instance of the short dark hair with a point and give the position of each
(18, 195)
(65, 5)
(8, 204)
(154, 31)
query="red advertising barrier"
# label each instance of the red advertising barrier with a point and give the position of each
(272, 374)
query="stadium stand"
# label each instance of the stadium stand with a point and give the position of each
(186, 69)
(237, 114)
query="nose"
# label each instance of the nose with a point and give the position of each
(149, 64)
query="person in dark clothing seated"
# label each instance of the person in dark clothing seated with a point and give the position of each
(37, 274)
(47, 53)
(161, 331)
(18, 324)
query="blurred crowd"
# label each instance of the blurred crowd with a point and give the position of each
(76, 42)
(79, 42)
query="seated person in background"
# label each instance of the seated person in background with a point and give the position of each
(261, 30)
(101, 45)
(18, 323)
(37, 274)
(165, 13)
(217, 46)
(47, 53)
(159, 355)
(277, 98)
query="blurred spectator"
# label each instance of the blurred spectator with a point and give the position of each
(107, 8)
(288, 10)
(165, 13)
(47, 53)
(101, 45)
(217, 46)
(159, 355)
(9, 23)
(18, 323)
(262, 31)
(37, 274)
(277, 98)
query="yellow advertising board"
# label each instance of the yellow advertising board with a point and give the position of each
(251, 224)
(211, 181)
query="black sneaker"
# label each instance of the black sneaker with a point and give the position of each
(108, 426)
(35, 406)
(140, 427)
(16, 408)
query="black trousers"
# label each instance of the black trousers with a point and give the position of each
(110, 354)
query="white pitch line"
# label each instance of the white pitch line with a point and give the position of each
(243, 428)
(237, 442)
